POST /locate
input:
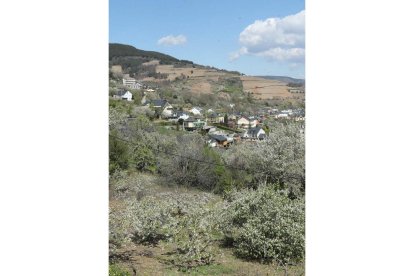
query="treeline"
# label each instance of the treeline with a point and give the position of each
(122, 50)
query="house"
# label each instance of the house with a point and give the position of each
(196, 110)
(131, 83)
(232, 117)
(189, 124)
(209, 129)
(253, 123)
(287, 111)
(220, 140)
(199, 122)
(124, 95)
(255, 133)
(281, 115)
(296, 90)
(193, 123)
(165, 108)
(243, 122)
(216, 118)
(177, 115)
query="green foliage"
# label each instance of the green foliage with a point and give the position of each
(118, 154)
(144, 158)
(136, 95)
(115, 270)
(221, 173)
(266, 225)
(121, 50)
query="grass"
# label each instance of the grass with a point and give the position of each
(155, 261)
(214, 269)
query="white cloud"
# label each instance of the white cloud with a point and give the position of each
(280, 39)
(172, 40)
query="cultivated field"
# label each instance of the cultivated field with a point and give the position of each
(201, 80)
(265, 89)
(192, 73)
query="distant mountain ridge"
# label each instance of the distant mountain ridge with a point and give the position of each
(122, 50)
(283, 79)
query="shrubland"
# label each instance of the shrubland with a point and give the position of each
(248, 198)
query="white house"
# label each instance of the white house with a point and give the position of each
(282, 115)
(254, 133)
(166, 109)
(196, 110)
(287, 111)
(183, 116)
(253, 123)
(131, 82)
(124, 95)
(127, 96)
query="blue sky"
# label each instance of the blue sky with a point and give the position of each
(260, 37)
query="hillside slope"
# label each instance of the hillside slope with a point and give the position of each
(122, 50)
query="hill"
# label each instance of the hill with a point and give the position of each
(117, 50)
(184, 82)
(283, 79)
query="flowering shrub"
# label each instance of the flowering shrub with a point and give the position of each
(125, 186)
(156, 218)
(119, 229)
(279, 160)
(265, 224)
(194, 240)
(152, 220)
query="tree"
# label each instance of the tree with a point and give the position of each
(118, 153)
(180, 123)
(226, 120)
(279, 160)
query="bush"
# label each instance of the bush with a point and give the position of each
(279, 160)
(119, 229)
(144, 158)
(124, 186)
(152, 220)
(190, 167)
(194, 240)
(115, 270)
(118, 154)
(265, 225)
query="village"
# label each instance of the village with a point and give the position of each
(220, 128)
(189, 146)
